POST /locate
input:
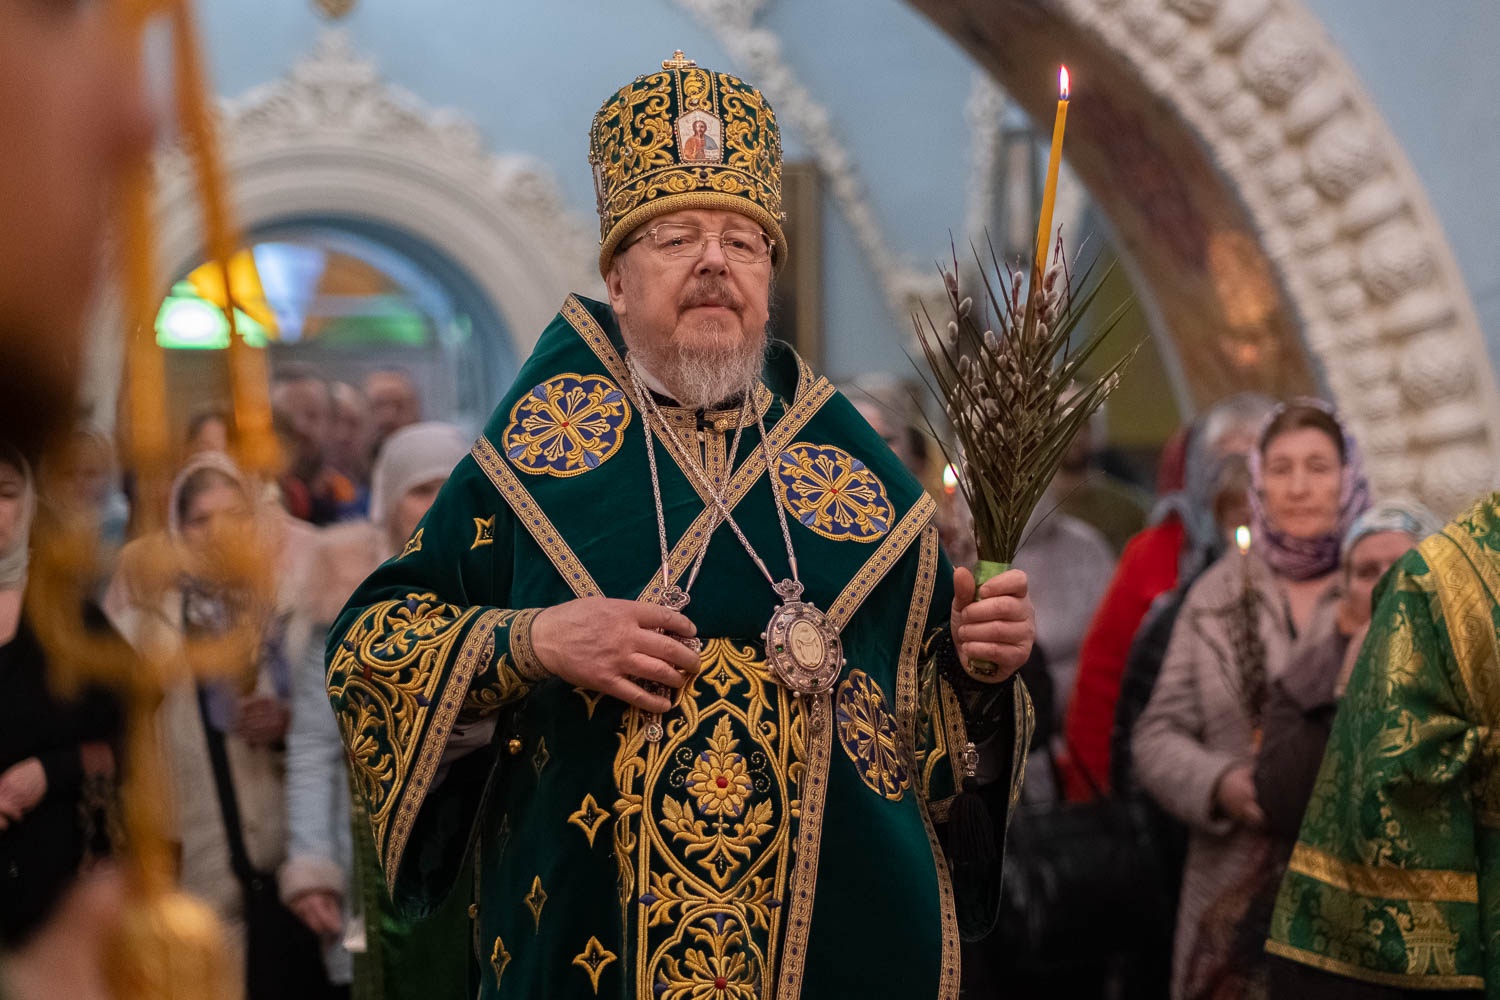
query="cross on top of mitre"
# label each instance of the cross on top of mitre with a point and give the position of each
(678, 61)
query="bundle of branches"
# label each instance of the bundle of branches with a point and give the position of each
(1011, 379)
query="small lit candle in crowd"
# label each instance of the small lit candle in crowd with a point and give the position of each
(950, 479)
(1054, 163)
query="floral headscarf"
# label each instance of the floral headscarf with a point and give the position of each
(1306, 558)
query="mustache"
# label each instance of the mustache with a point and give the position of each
(713, 291)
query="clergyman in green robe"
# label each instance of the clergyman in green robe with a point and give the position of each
(1395, 879)
(675, 659)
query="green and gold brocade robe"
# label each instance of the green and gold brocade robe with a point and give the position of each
(1395, 878)
(608, 865)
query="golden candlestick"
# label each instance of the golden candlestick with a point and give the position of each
(167, 943)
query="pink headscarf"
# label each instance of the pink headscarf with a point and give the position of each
(1305, 558)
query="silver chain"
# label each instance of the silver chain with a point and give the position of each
(648, 405)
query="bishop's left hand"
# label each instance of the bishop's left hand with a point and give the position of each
(997, 625)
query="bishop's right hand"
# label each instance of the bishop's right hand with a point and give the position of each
(609, 645)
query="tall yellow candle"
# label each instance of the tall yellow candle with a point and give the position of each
(1054, 162)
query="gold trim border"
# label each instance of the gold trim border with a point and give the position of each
(802, 883)
(1467, 613)
(478, 647)
(1396, 979)
(1425, 885)
(949, 968)
(881, 561)
(534, 518)
(522, 653)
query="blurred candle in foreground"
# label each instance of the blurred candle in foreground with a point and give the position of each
(1242, 539)
(950, 479)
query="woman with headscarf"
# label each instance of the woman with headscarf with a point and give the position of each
(82, 478)
(218, 532)
(328, 881)
(1183, 539)
(56, 764)
(1195, 745)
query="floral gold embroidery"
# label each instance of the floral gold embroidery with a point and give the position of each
(720, 781)
(593, 959)
(484, 532)
(383, 682)
(588, 818)
(868, 735)
(1431, 945)
(833, 493)
(718, 968)
(723, 792)
(720, 784)
(535, 900)
(413, 544)
(499, 959)
(566, 426)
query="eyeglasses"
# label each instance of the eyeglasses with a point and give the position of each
(745, 246)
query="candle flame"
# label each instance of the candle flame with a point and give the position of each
(1062, 83)
(950, 479)
(1242, 539)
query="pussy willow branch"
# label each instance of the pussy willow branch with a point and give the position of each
(1011, 382)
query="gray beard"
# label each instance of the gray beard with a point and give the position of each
(700, 378)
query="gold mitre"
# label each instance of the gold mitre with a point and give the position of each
(685, 138)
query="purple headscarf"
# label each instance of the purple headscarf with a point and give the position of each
(1305, 558)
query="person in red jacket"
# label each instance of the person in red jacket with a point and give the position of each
(1183, 538)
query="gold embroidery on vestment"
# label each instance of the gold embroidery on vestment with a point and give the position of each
(535, 900)
(588, 817)
(867, 733)
(499, 959)
(534, 520)
(593, 959)
(395, 721)
(1430, 885)
(413, 544)
(907, 715)
(566, 426)
(832, 493)
(1379, 977)
(484, 532)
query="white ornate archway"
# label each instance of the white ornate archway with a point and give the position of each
(1286, 131)
(331, 138)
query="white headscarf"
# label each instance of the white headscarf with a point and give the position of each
(15, 558)
(413, 455)
(201, 462)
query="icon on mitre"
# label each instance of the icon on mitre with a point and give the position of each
(700, 137)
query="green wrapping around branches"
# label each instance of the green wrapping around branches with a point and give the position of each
(1012, 385)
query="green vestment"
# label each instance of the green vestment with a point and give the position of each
(1396, 876)
(768, 845)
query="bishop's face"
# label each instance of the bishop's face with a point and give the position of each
(72, 110)
(698, 322)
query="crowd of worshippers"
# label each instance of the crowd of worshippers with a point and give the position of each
(1184, 685)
